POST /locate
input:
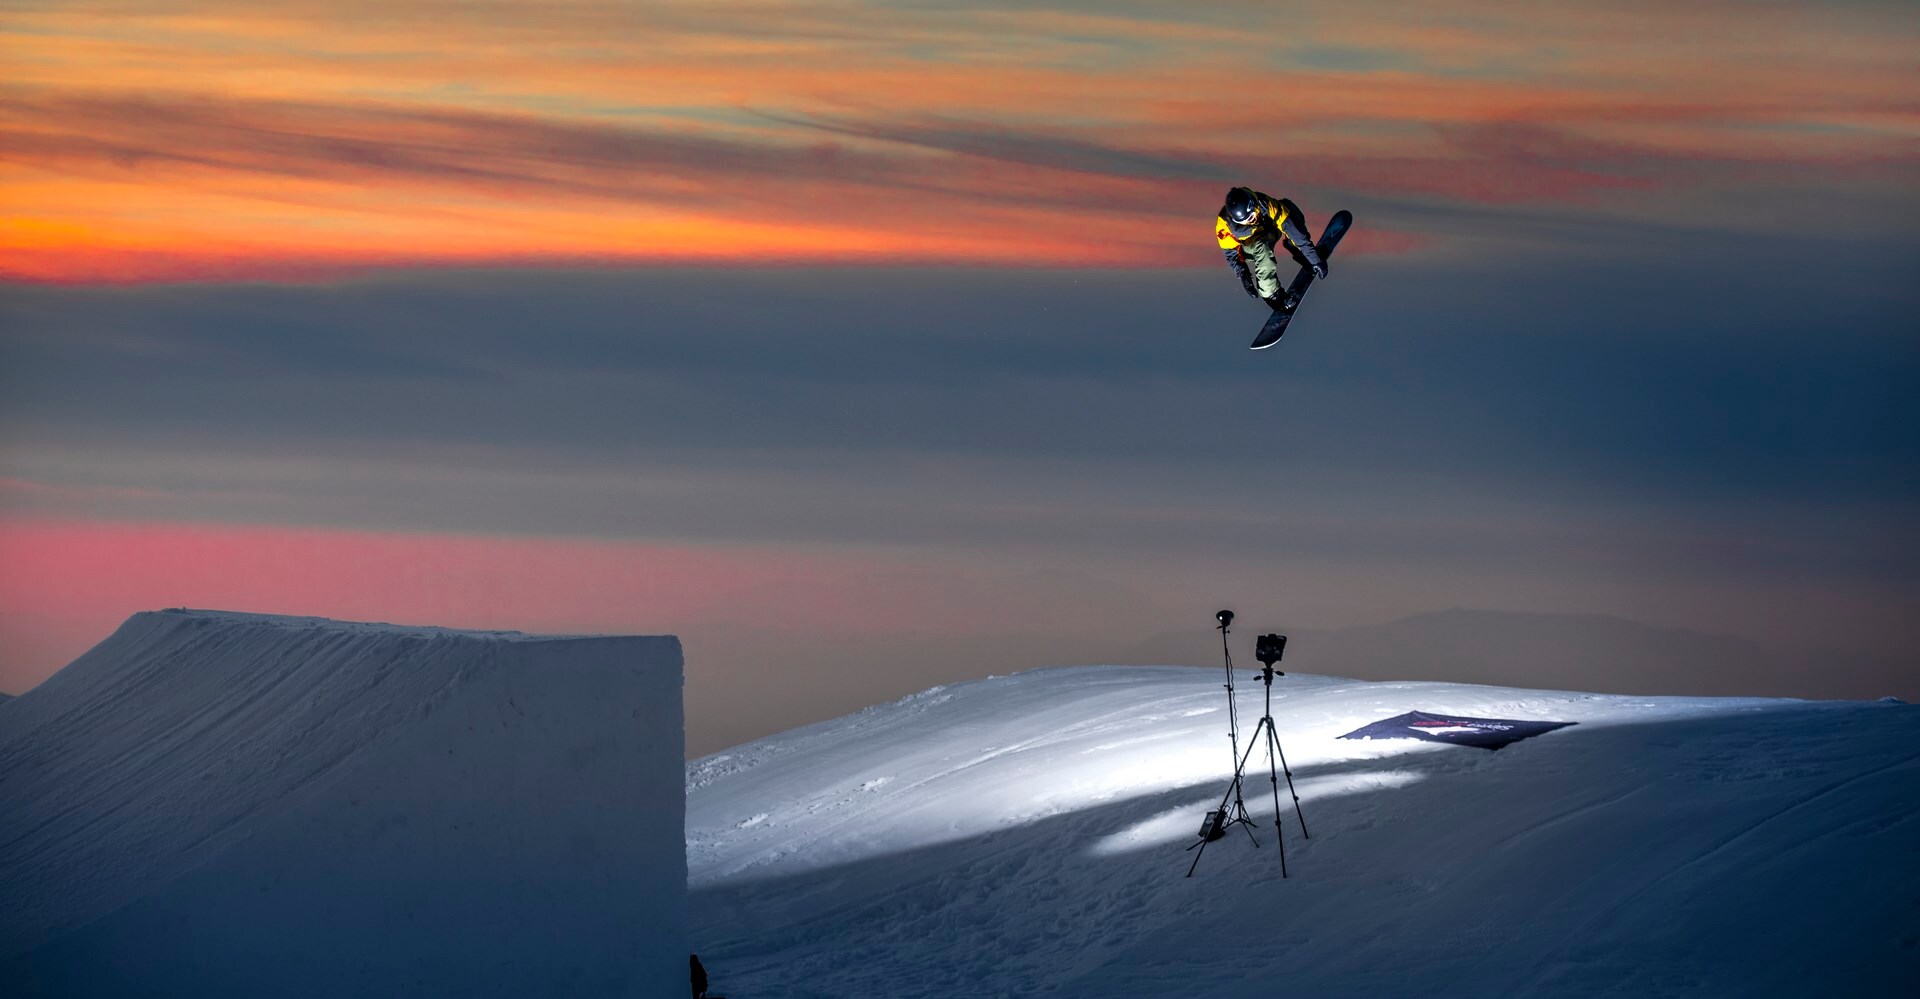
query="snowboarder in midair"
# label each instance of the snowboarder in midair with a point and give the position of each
(1250, 226)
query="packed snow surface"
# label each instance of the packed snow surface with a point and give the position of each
(1026, 835)
(215, 804)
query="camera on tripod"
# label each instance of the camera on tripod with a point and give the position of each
(1232, 810)
(1268, 649)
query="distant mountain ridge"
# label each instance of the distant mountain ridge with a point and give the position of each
(1590, 652)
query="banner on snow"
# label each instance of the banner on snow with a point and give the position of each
(1487, 733)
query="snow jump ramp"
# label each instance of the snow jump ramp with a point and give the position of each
(215, 804)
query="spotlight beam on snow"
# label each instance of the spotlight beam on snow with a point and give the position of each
(1179, 824)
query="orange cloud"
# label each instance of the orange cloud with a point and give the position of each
(148, 141)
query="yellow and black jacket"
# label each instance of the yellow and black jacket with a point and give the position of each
(1276, 219)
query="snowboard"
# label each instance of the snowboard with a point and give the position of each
(1276, 326)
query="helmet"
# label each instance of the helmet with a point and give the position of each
(1242, 205)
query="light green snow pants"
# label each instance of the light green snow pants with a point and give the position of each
(1259, 259)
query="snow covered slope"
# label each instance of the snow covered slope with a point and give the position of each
(211, 804)
(1024, 835)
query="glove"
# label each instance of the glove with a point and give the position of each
(1240, 268)
(1309, 253)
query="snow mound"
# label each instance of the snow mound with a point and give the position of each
(216, 804)
(1025, 835)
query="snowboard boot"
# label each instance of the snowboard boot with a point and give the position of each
(1280, 301)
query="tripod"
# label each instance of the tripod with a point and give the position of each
(1221, 818)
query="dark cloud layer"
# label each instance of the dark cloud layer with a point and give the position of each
(1637, 373)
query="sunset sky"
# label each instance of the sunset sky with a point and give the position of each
(849, 338)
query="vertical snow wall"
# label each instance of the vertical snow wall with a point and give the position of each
(213, 804)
